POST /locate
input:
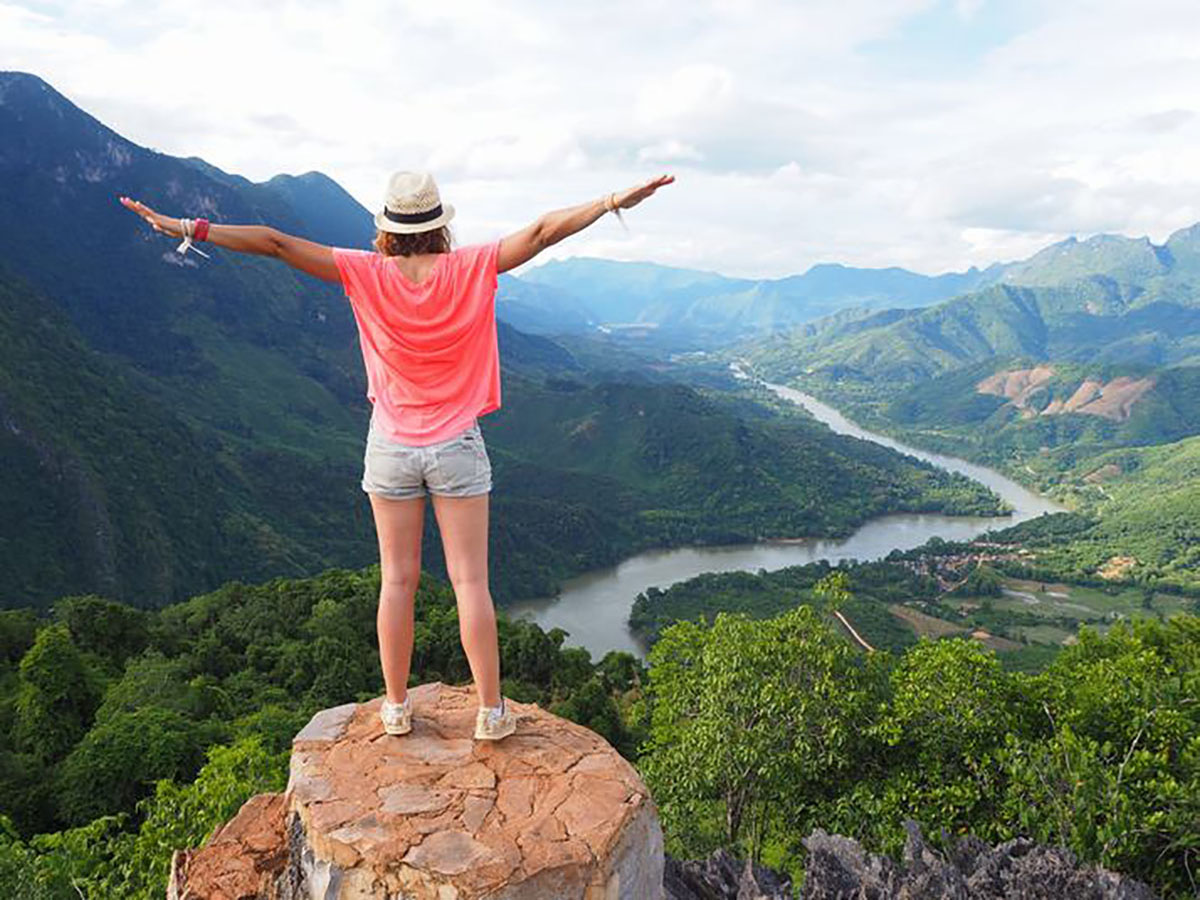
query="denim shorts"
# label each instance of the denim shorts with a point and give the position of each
(456, 467)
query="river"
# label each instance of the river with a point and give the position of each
(594, 607)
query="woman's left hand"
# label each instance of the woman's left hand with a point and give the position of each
(638, 193)
(159, 222)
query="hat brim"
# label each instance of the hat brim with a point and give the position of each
(383, 223)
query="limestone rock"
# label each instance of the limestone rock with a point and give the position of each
(552, 811)
(722, 877)
(838, 868)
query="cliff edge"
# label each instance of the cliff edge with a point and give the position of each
(552, 811)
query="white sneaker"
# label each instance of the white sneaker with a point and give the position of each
(397, 717)
(493, 723)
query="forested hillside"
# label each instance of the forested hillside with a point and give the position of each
(1107, 299)
(130, 733)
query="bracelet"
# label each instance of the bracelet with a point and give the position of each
(610, 204)
(201, 230)
(186, 226)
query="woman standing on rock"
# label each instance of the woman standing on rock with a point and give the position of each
(427, 330)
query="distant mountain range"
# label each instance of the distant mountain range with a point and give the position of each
(1134, 298)
(1105, 299)
(1097, 341)
(689, 308)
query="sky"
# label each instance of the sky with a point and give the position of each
(929, 134)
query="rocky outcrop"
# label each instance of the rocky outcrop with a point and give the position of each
(722, 877)
(838, 868)
(552, 811)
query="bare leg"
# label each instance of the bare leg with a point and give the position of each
(463, 522)
(398, 524)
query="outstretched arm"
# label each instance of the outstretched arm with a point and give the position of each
(262, 240)
(521, 246)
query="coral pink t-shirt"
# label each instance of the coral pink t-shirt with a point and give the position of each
(430, 349)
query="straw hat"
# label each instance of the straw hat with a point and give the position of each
(412, 203)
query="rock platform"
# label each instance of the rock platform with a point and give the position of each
(551, 811)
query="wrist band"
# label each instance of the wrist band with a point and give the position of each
(610, 203)
(185, 226)
(201, 230)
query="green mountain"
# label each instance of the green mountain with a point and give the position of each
(672, 464)
(1106, 299)
(1147, 501)
(1085, 346)
(102, 484)
(1054, 414)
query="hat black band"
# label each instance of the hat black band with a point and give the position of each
(413, 218)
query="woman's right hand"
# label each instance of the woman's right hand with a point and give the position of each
(635, 195)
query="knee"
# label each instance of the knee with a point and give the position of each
(469, 584)
(402, 583)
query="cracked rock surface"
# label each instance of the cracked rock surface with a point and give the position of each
(551, 811)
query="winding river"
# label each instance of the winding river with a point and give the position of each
(594, 607)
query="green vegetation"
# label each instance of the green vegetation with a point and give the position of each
(948, 414)
(764, 730)
(698, 467)
(126, 733)
(873, 587)
(1133, 484)
(1100, 309)
(937, 590)
(158, 496)
(1138, 521)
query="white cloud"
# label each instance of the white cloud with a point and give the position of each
(698, 90)
(794, 141)
(669, 150)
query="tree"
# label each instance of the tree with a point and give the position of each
(744, 714)
(118, 761)
(117, 630)
(57, 693)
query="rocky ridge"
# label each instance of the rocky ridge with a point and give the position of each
(840, 869)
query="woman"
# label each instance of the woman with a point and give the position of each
(427, 330)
